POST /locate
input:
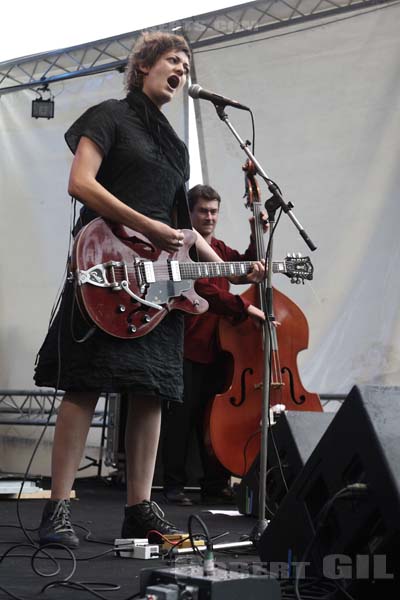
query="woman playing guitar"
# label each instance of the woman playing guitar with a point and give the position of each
(129, 168)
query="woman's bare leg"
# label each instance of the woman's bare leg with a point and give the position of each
(73, 422)
(142, 434)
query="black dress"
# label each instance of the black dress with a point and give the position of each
(145, 166)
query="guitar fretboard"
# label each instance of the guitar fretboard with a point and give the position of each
(201, 270)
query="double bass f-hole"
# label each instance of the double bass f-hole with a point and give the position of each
(302, 398)
(233, 399)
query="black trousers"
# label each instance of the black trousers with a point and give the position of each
(182, 421)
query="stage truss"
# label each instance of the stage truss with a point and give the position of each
(203, 30)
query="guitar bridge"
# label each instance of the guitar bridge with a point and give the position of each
(97, 275)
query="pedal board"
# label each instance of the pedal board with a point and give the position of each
(180, 540)
(136, 548)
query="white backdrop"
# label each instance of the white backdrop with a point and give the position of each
(326, 103)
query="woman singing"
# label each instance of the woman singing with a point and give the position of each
(130, 168)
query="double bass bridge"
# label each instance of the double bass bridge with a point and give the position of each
(275, 385)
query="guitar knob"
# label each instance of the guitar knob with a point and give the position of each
(146, 319)
(132, 328)
(121, 308)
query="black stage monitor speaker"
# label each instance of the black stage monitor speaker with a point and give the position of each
(290, 443)
(346, 501)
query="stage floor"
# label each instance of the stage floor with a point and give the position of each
(98, 510)
(97, 514)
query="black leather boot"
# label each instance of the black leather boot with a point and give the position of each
(146, 520)
(56, 527)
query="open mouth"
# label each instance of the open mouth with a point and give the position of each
(173, 81)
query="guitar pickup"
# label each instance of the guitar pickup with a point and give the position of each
(174, 270)
(147, 267)
(148, 270)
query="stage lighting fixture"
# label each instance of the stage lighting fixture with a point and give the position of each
(43, 108)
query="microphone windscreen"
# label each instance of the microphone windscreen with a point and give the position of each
(194, 90)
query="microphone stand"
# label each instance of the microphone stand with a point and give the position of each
(271, 205)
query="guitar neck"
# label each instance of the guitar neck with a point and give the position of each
(200, 270)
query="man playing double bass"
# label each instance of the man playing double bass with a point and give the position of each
(203, 375)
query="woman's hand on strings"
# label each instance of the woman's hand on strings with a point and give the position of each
(165, 237)
(256, 274)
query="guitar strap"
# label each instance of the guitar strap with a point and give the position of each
(181, 217)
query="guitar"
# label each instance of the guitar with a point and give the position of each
(125, 285)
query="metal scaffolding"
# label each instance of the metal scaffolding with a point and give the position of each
(216, 27)
(34, 407)
(39, 408)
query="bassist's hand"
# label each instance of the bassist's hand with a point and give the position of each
(256, 314)
(263, 221)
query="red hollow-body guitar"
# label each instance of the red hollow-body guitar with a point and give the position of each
(125, 285)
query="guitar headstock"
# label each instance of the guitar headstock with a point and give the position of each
(298, 268)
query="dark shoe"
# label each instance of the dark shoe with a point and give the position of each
(221, 497)
(146, 520)
(55, 527)
(177, 497)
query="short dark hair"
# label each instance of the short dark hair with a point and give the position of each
(147, 50)
(202, 191)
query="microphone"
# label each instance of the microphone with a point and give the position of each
(196, 91)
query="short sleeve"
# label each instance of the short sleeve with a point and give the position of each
(98, 124)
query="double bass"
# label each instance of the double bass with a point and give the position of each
(232, 431)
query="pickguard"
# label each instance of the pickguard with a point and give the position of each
(161, 292)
